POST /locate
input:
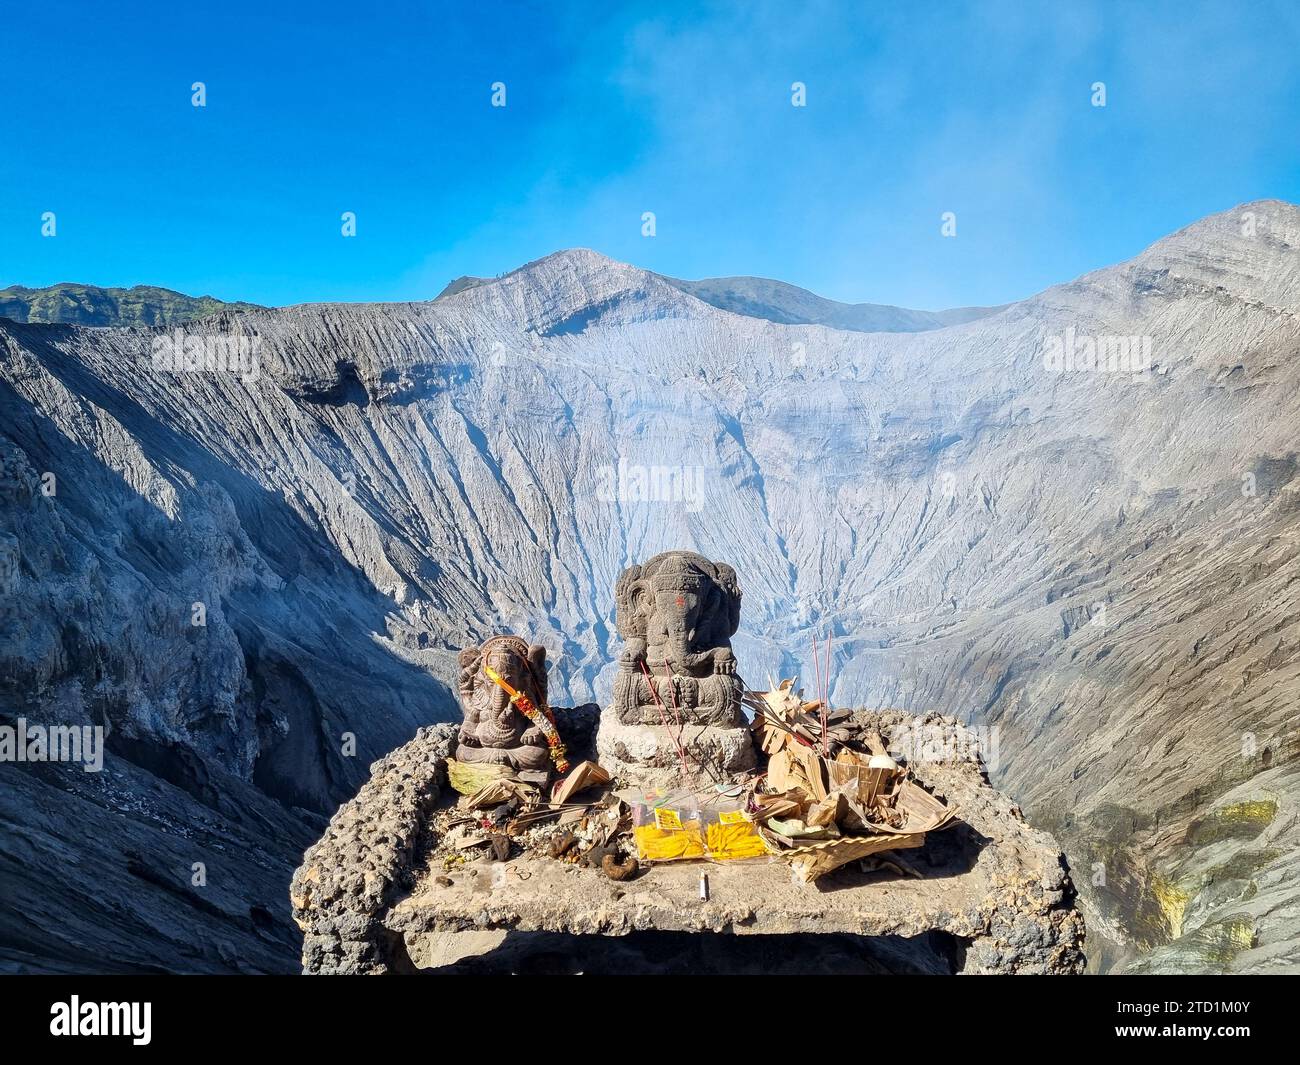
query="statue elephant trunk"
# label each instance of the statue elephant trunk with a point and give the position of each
(679, 636)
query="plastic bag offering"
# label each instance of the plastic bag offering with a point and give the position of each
(731, 836)
(665, 833)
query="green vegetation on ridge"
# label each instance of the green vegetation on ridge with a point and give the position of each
(90, 305)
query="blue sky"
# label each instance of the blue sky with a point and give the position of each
(612, 110)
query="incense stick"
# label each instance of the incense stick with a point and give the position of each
(663, 718)
(817, 668)
(826, 736)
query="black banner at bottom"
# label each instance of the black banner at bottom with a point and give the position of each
(378, 1015)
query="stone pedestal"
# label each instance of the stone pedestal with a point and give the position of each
(647, 754)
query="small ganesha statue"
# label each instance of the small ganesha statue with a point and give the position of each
(507, 719)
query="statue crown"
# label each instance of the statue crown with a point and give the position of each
(682, 576)
(513, 644)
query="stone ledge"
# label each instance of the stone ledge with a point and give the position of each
(990, 881)
(648, 754)
(367, 858)
(371, 852)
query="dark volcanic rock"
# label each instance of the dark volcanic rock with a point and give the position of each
(122, 872)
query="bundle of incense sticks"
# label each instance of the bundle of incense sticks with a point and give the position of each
(823, 693)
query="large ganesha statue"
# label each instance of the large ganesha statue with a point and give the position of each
(495, 729)
(677, 614)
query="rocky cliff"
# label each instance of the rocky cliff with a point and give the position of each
(1097, 566)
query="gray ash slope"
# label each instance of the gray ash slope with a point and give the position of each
(1070, 559)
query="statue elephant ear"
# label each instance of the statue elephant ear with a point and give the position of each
(536, 663)
(730, 588)
(468, 660)
(633, 600)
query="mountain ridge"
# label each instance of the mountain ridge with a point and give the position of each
(746, 295)
(92, 305)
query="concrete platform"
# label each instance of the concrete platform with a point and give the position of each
(993, 894)
(539, 894)
(994, 897)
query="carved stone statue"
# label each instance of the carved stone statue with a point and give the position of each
(677, 614)
(494, 730)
